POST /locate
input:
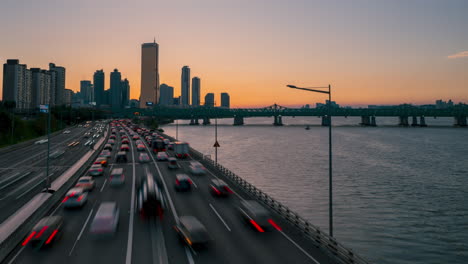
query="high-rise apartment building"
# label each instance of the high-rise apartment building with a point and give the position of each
(98, 81)
(41, 90)
(116, 89)
(59, 83)
(68, 97)
(149, 74)
(225, 100)
(125, 93)
(185, 86)
(167, 94)
(17, 84)
(196, 91)
(209, 100)
(86, 91)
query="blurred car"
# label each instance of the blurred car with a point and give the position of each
(75, 197)
(112, 137)
(40, 142)
(162, 156)
(256, 215)
(67, 132)
(172, 164)
(121, 157)
(106, 220)
(138, 142)
(183, 183)
(86, 182)
(45, 232)
(166, 141)
(117, 177)
(143, 158)
(197, 168)
(141, 147)
(170, 146)
(102, 161)
(111, 142)
(96, 170)
(108, 147)
(125, 141)
(150, 198)
(219, 188)
(124, 147)
(192, 232)
(135, 137)
(105, 154)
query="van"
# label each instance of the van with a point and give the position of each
(106, 220)
(150, 198)
(117, 177)
(121, 157)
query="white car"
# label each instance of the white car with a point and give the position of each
(197, 168)
(42, 141)
(162, 156)
(67, 132)
(76, 197)
(106, 220)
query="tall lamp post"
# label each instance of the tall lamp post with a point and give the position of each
(330, 182)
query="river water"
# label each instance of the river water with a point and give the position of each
(400, 194)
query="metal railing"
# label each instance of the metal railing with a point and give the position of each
(336, 251)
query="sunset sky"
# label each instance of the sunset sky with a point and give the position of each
(370, 51)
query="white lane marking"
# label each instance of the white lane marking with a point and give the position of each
(158, 245)
(103, 185)
(30, 189)
(299, 247)
(219, 216)
(9, 178)
(193, 182)
(189, 255)
(132, 208)
(81, 232)
(17, 254)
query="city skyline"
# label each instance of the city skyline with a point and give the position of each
(371, 53)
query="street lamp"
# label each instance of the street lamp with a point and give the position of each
(330, 182)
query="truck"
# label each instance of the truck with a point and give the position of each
(181, 150)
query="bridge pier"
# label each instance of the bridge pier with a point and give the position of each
(206, 121)
(238, 120)
(414, 121)
(278, 121)
(194, 121)
(403, 121)
(365, 121)
(422, 121)
(325, 121)
(373, 122)
(460, 121)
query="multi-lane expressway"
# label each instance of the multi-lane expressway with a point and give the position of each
(140, 240)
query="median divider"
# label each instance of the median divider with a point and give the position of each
(14, 229)
(336, 251)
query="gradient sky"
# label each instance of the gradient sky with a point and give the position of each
(370, 51)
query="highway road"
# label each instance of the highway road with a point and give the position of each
(154, 240)
(22, 171)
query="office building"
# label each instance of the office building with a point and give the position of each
(185, 86)
(177, 100)
(17, 84)
(107, 98)
(134, 103)
(149, 74)
(86, 91)
(98, 81)
(68, 96)
(195, 91)
(116, 89)
(40, 84)
(209, 100)
(167, 94)
(225, 100)
(59, 83)
(125, 93)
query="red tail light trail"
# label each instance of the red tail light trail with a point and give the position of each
(28, 238)
(51, 236)
(259, 229)
(274, 224)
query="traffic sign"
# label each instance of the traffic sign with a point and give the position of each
(216, 145)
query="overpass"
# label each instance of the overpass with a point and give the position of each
(137, 240)
(368, 115)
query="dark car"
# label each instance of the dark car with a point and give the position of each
(121, 157)
(192, 232)
(45, 232)
(256, 215)
(108, 147)
(150, 198)
(183, 183)
(219, 188)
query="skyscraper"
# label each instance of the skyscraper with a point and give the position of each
(149, 74)
(116, 89)
(59, 82)
(185, 86)
(86, 91)
(17, 84)
(209, 99)
(40, 87)
(98, 80)
(225, 100)
(195, 91)
(167, 94)
(125, 93)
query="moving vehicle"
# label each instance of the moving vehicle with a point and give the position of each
(150, 198)
(197, 168)
(111, 142)
(42, 141)
(105, 154)
(162, 156)
(102, 161)
(183, 182)
(121, 157)
(108, 147)
(67, 132)
(96, 170)
(192, 232)
(143, 158)
(158, 146)
(141, 147)
(172, 164)
(86, 182)
(117, 177)
(45, 232)
(75, 197)
(106, 220)
(256, 215)
(219, 188)
(124, 147)
(125, 141)
(181, 150)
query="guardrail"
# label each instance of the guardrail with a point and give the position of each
(39, 206)
(335, 250)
